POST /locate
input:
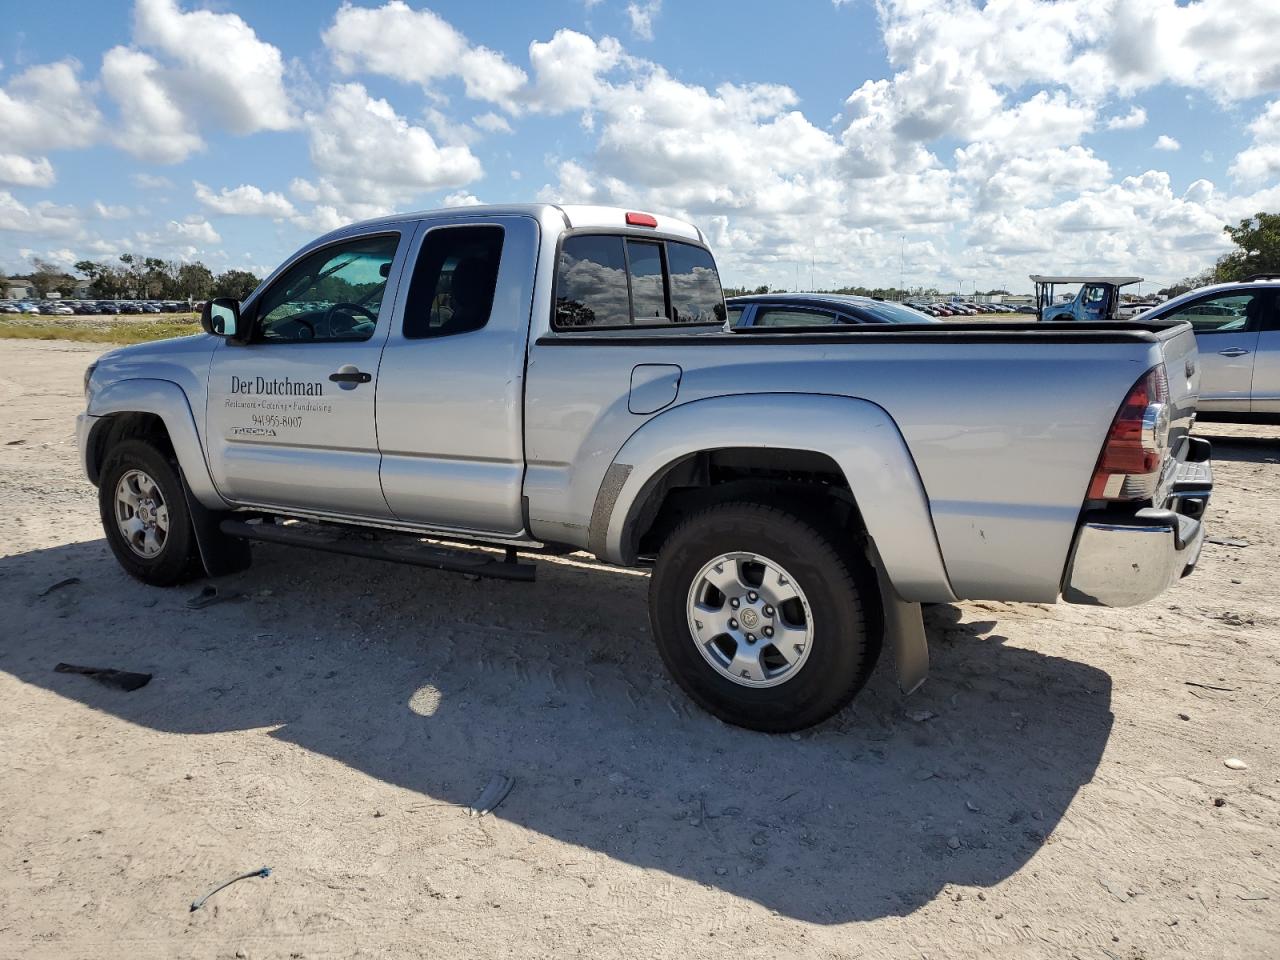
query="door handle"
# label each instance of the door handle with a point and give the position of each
(1233, 352)
(350, 376)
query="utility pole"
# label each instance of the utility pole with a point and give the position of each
(902, 268)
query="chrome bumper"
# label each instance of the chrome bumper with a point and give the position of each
(1122, 561)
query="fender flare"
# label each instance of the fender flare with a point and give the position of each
(857, 434)
(166, 400)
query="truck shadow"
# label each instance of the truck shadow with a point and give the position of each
(1241, 449)
(435, 683)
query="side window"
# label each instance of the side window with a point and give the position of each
(1095, 295)
(792, 317)
(332, 294)
(735, 315)
(696, 296)
(591, 290)
(1229, 313)
(648, 291)
(453, 281)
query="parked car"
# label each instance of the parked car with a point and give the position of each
(816, 310)
(1237, 326)
(560, 378)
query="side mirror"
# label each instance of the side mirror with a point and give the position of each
(221, 317)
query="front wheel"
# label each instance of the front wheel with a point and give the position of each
(762, 617)
(145, 515)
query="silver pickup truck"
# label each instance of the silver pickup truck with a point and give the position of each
(425, 388)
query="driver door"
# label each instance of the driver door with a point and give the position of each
(290, 414)
(1226, 327)
(1094, 301)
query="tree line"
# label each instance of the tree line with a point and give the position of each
(143, 278)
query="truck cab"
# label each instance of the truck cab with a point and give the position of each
(1098, 298)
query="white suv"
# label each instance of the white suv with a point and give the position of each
(1238, 331)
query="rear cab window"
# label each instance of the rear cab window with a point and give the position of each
(454, 281)
(613, 281)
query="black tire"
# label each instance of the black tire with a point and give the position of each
(178, 560)
(834, 577)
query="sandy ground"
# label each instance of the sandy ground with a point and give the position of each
(335, 723)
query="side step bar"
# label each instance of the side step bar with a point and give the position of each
(406, 550)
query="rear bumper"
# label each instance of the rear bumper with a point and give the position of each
(1121, 560)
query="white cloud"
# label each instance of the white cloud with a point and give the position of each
(1135, 118)
(461, 198)
(151, 124)
(492, 123)
(321, 219)
(107, 211)
(567, 70)
(418, 46)
(245, 200)
(150, 181)
(371, 160)
(178, 238)
(195, 229)
(218, 66)
(642, 14)
(1023, 192)
(1167, 143)
(1094, 47)
(26, 171)
(304, 190)
(44, 218)
(47, 108)
(1261, 161)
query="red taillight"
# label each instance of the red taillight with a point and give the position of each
(1137, 444)
(641, 220)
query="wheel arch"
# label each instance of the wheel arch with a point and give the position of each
(156, 410)
(851, 448)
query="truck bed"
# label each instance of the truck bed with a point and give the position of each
(1004, 421)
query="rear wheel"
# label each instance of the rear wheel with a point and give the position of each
(145, 516)
(761, 616)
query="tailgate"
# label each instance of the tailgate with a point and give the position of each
(1182, 368)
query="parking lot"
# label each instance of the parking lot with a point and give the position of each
(1057, 789)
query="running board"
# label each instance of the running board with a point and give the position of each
(406, 550)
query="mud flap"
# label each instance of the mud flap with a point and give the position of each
(904, 629)
(220, 554)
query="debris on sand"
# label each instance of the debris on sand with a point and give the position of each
(493, 794)
(1234, 763)
(197, 904)
(209, 596)
(70, 581)
(1227, 541)
(120, 679)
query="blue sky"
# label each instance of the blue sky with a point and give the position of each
(961, 143)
